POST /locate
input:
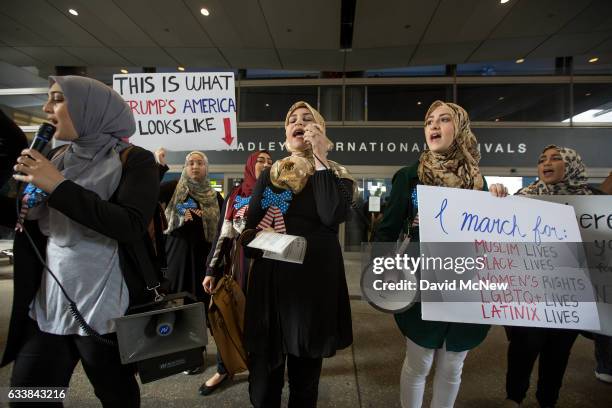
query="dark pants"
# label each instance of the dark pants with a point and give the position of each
(603, 354)
(48, 360)
(266, 387)
(553, 346)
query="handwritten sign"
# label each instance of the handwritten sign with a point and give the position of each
(528, 246)
(181, 111)
(594, 216)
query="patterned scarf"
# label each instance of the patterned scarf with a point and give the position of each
(293, 172)
(206, 198)
(574, 180)
(458, 166)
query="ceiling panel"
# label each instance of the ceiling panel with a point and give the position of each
(248, 33)
(378, 58)
(168, 22)
(529, 18)
(569, 44)
(16, 57)
(398, 23)
(198, 57)
(605, 47)
(98, 56)
(596, 17)
(44, 20)
(147, 56)
(505, 49)
(252, 58)
(320, 60)
(233, 23)
(464, 21)
(52, 56)
(313, 25)
(432, 54)
(15, 34)
(107, 22)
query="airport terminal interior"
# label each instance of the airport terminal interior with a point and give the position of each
(530, 73)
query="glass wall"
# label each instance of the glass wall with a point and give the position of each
(270, 103)
(355, 103)
(592, 103)
(331, 103)
(514, 68)
(515, 102)
(404, 102)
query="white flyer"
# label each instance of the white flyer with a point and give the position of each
(281, 247)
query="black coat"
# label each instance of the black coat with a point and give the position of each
(301, 309)
(125, 218)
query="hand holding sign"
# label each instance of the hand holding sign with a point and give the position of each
(498, 190)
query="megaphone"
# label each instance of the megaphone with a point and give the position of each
(163, 342)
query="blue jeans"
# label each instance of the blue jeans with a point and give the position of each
(220, 366)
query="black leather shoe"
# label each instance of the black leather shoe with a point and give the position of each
(206, 390)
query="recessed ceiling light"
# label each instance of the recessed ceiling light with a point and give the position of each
(181, 68)
(504, 1)
(594, 59)
(124, 71)
(520, 60)
(501, 98)
(419, 103)
(587, 94)
(267, 105)
(205, 12)
(73, 12)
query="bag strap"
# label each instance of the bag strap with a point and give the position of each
(123, 156)
(148, 273)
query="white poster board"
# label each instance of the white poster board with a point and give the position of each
(519, 240)
(594, 216)
(181, 111)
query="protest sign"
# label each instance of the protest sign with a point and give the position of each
(594, 216)
(528, 247)
(181, 111)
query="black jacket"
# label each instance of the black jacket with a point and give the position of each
(125, 218)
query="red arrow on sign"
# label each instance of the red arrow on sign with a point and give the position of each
(227, 124)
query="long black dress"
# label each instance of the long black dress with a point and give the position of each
(301, 309)
(186, 250)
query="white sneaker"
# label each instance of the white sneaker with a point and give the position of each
(607, 378)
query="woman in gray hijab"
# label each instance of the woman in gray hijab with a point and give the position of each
(87, 214)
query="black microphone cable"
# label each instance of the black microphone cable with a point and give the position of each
(348, 195)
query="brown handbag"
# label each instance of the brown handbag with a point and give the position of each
(226, 318)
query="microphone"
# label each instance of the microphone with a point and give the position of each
(43, 136)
